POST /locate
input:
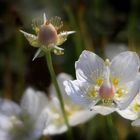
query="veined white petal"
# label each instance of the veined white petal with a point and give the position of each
(33, 102)
(81, 116)
(136, 123)
(90, 67)
(125, 66)
(103, 110)
(33, 40)
(128, 114)
(132, 92)
(77, 90)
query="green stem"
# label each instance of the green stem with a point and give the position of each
(77, 39)
(59, 95)
(112, 130)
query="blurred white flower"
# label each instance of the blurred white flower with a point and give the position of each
(113, 49)
(48, 36)
(104, 86)
(25, 122)
(76, 113)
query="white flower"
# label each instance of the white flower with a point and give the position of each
(132, 112)
(76, 113)
(25, 122)
(104, 86)
(48, 36)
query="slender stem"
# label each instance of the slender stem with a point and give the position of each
(59, 95)
(112, 130)
(77, 39)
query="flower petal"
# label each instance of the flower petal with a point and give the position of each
(4, 135)
(78, 92)
(132, 92)
(136, 123)
(127, 114)
(60, 78)
(5, 122)
(55, 123)
(103, 110)
(90, 67)
(54, 129)
(81, 116)
(40, 124)
(33, 40)
(33, 102)
(125, 66)
(9, 108)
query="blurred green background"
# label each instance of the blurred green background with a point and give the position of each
(105, 27)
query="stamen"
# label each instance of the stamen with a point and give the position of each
(92, 92)
(56, 22)
(107, 102)
(99, 82)
(36, 24)
(115, 81)
(121, 92)
(136, 107)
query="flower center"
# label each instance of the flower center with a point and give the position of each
(47, 34)
(106, 91)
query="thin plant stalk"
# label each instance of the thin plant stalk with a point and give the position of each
(112, 130)
(59, 95)
(77, 39)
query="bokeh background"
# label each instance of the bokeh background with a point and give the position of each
(105, 27)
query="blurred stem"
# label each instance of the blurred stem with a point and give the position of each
(87, 40)
(59, 95)
(133, 24)
(98, 7)
(77, 38)
(7, 79)
(21, 66)
(91, 130)
(112, 129)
